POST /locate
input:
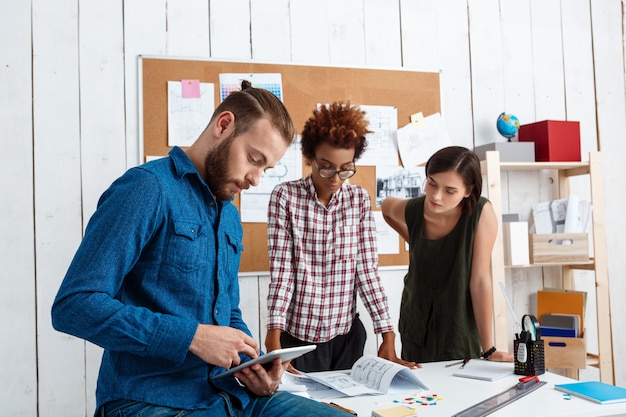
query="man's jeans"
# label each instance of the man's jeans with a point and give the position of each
(281, 404)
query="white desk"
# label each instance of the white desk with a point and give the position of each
(461, 393)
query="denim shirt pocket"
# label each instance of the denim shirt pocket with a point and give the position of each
(187, 246)
(235, 247)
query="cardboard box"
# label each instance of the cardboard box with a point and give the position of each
(509, 151)
(559, 248)
(565, 352)
(555, 140)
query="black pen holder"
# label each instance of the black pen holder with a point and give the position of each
(529, 357)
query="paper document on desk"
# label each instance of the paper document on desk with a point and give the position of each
(369, 375)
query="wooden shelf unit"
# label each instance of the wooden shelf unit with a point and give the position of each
(492, 169)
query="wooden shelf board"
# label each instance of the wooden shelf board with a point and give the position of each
(578, 265)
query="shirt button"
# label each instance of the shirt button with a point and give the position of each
(217, 311)
(210, 203)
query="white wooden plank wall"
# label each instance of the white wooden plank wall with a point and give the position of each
(608, 50)
(58, 200)
(145, 33)
(69, 112)
(487, 76)
(18, 324)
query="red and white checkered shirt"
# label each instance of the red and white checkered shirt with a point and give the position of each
(319, 257)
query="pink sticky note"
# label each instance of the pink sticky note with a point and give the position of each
(191, 88)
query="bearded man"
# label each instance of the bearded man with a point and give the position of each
(155, 279)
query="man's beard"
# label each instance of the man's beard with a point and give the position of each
(216, 169)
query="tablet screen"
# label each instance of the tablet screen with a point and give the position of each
(285, 354)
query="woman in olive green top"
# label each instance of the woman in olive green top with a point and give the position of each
(446, 310)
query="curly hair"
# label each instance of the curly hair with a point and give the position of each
(339, 124)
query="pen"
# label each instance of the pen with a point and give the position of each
(347, 410)
(462, 363)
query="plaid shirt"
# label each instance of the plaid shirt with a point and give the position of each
(319, 257)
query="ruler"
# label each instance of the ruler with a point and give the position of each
(491, 404)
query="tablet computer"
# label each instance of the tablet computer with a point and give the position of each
(285, 354)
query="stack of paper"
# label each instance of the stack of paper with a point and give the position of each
(567, 215)
(485, 370)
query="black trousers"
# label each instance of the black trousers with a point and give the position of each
(337, 354)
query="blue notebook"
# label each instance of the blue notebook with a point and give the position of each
(557, 332)
(595, 391)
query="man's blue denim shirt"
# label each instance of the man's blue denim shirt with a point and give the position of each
(160, 255)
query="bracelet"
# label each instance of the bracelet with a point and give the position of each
(488, 353)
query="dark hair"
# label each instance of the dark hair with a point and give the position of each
(337, 124)
(464, 162)
(251, 104)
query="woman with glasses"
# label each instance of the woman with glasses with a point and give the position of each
(322, 249)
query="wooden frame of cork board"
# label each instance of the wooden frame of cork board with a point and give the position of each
(304, 86)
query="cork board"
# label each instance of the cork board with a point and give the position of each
(304, 86)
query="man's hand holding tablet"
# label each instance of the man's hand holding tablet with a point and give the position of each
(285, 354)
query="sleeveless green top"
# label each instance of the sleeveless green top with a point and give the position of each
(436, 315)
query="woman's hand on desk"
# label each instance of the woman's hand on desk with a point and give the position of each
(387, 351)
(499, 356)
(408, 364)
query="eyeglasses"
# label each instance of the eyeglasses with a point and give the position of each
(343, 174)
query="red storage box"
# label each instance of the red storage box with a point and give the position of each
(555, 140)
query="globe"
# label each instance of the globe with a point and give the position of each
(507, 125)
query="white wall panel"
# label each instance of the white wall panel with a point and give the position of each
(393, 282)
(57, 186)
(18, 378)
(452, 39)
(548, 59)
(145, 33)
(264, 285)
(381, 21)
(271, 31)
(487, 68)
(607, 23)
(188, 28)
(102, 119)
(579, 72)
(420, 34)
(229, 22)
(310, 37)
(517, 49)
(249, 304)
(347, 33)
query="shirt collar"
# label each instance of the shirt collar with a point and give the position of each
(308, 181)
(184, 166)
(182, 163)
